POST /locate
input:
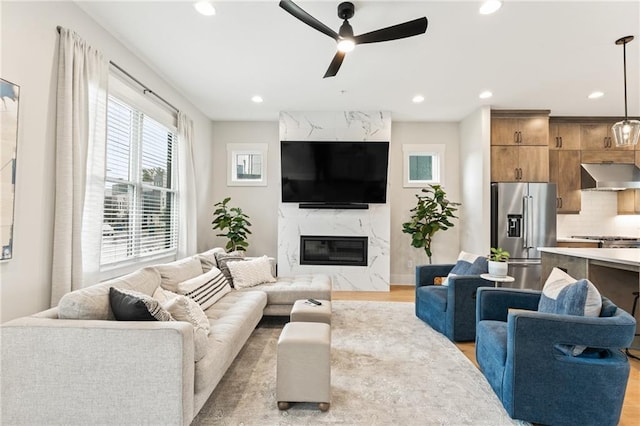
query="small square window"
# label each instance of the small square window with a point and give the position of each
(422, 165)
(247, 164)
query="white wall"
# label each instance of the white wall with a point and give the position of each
(475, 161)
(260, 203)
(445, 243)
(29, 59)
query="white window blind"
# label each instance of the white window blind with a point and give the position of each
(140, 199)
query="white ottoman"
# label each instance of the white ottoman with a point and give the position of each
(304, 311)
(304, 365)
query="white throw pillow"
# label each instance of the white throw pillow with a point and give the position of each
(205, 289)
(251, 272)
(183, 308)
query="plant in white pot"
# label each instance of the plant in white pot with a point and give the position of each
(498, 262)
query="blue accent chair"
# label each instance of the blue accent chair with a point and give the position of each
(451, 309)
(536, 382)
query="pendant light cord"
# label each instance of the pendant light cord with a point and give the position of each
(624, 62)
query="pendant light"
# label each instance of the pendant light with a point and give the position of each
(626, 132)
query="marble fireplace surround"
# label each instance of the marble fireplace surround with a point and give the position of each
(373, 223)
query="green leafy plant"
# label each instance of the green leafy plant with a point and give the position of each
(499, 255)
(235, 222)
(432, 213)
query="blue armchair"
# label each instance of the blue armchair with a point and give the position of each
(519, 354)
(450, 309)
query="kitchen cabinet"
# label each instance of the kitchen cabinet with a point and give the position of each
(564, 136)
(519, 127)
(564, 171)
(519, 146)
(598, 135)
(629, 199)
(519, 163)
(610, 156)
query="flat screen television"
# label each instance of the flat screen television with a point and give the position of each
(334, 172)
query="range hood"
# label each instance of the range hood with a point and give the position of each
(610, 177)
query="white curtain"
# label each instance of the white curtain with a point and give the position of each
(80, 163)
(188, 218)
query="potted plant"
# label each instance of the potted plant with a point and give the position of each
(498, 262)
(235, 222)
(432, 213)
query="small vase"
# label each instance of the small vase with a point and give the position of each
(498, 269)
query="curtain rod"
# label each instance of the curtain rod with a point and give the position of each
(146, 89)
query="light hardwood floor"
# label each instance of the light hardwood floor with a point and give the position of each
(400, 293)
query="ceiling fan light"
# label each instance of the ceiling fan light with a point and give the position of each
(490, 6)
(205, 8)
(346, 45)
(626, 132)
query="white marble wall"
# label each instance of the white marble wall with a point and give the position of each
(374, 223)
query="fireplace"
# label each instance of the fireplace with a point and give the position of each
(333, 250)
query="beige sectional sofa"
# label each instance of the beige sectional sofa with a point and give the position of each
(75, 364)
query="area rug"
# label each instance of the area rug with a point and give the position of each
(387, 368)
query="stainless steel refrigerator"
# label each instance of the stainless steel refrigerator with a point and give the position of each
(523, 218)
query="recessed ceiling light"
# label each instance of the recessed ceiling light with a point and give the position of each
(490, 6)
(205, 8)
(257, 99)
(595, 95)
(418, 99)
(485, 95)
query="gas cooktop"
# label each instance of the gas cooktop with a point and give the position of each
(606, 238)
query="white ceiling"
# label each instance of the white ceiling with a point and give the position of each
(531, 55)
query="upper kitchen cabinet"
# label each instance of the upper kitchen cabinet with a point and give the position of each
(629, 199)
(519, 127)
(564, 135)
(599, 136)
(519, 151)
(519, 163)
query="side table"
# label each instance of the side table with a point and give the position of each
(497, 280)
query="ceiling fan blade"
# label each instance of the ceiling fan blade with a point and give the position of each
(299, 13)
(334, 66)
(395, 32)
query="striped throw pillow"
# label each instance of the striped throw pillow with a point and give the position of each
(205, 289)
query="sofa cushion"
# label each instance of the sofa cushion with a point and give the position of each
(131, 305)
(251, 272)
(468, 264)
(173, 273)
(223, 260)
(205, 289)
(233, 318)
(185, 309)
(92, 303)
(208, 258)
(286, 290)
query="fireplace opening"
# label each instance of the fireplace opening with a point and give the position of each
(321, 250)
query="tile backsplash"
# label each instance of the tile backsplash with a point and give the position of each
(598, 216)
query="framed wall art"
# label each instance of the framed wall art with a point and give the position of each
(247, 164)
(9, 99)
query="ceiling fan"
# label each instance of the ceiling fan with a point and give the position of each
(345, 38)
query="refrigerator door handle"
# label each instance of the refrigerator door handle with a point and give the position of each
(525, 231)
(529, 221)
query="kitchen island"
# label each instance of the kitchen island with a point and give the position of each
(614, 271)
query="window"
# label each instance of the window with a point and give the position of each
(247, 164)
(140, 198)
(422, 165)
